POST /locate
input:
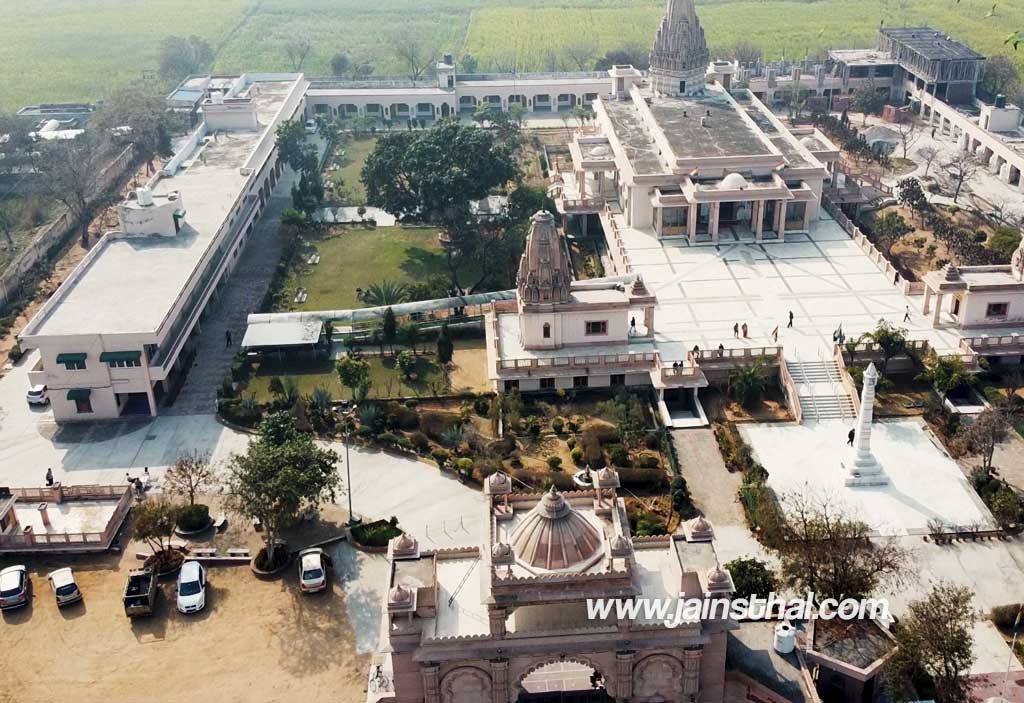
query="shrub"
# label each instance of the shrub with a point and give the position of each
(240, 412)
(555, 463)
(681, 501)
(387, 438)
(15, 353)
(619, 455)
(652, 440)
(557, 425)
(577, 455)
(435, 424)
(419, 441)
(481, 405)
(647, 524)
(592, 454)
(648, 461)
(1004, 615)
(572, 426)
(398, 416)
(364, 432)
(534, 429)
(752, 577)
(411, 403)
(571, 442)
(646, 479)
(441, 457)
(603, 432)
(193, 517)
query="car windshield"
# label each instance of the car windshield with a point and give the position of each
(189, 588)
(66, 590)
(312, 574)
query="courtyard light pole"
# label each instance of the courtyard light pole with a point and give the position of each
(347, 417)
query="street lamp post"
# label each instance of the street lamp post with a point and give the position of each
(348, 464)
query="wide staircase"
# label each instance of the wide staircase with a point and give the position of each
(820, 390)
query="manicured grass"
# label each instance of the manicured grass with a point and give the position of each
(350, 166)
(375, 534)
(386, 380)
(355, 257)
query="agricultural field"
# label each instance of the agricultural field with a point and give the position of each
(60, 50)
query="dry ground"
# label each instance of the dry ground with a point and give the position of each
(255, 641)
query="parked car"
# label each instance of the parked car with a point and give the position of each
(15, 587)
(65, 590)
(311, 126)
(191, 587)
(312, 571)
(38, 395)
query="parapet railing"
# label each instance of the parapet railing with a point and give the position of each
(645, 359)
(82, 541)
(616, 248)
(876, 257)
(789, 388)
(742, 356)
(1009, 343)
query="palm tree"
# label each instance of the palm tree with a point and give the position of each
(892, 340)
(387, 292)
(748, 384)
(945, 373)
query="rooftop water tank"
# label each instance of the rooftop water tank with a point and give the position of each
(785, 638)
(144, 195)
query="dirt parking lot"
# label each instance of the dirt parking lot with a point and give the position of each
(255, 641)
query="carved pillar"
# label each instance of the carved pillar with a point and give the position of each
(713, 221)
(431, 683)
(758, 221)
(499, 681)
(496, 617)
(691, 225)
(624, 675)
(937, 314)
(927, 300)
(780, 219)
(691, 672)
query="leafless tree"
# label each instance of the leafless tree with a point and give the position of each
(827, 551)
(414, 51)
(961, 169)
(909, 132)
(990, 427)
(191, 474)
(70, 173)
(581, 53)
(745, 52)
(928, 154)
(297, 50)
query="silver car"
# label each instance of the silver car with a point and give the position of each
(65, 589)
(15, 587)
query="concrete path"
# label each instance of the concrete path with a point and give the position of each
(712, 487)
(240, 295)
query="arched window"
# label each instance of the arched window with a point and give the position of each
(547, 330)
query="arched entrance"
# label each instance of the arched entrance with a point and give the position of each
(567, 681)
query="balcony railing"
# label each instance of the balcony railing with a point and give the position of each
(581, 361)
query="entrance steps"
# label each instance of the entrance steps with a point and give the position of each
(820, 391)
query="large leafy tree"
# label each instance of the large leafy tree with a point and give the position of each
(70, 173)
(752, 577)
(353, 372)
(945, 373)
(282, 473)
(888, 230)
(935, 638)
(145, 118)
(892, 340)
(432, 174)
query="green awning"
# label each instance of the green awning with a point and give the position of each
(71, 357)
(79, 393)
(120, 356)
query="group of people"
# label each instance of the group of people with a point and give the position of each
(140, 484)
(737, 328)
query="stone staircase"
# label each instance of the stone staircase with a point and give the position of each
(820, 391)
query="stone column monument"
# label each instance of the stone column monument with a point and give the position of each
(865, 470)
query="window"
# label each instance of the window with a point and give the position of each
(83, 405)
(597, 327)
(580, 382)
(682, 86)
(72, 361)
(547, 330)
(74, 365)
(618, 379)
(511, 386)
(125, 363)
(547, 384)
(997, 310)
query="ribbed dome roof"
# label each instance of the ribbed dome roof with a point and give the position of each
(733, 181)
(554, 536)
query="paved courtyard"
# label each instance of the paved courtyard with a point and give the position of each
(823, 278)
(924, 482)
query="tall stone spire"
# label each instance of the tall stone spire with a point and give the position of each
(544, 269)
(679, 58)
(865, 469)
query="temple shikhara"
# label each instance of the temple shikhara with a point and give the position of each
(498, 619)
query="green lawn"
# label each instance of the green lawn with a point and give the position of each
(386, 381)
(356, 257)
(349, 167)
(61, 50)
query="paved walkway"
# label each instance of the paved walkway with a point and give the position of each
(712, 487)
(240, 295)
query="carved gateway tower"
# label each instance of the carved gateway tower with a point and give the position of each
(679, 59)
(505, 620)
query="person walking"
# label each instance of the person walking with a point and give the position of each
(744, 328)
(849, 437)
(49, 477)
(790, 319)
(227, 338)
(632, 324)
(906, 315)
(736, 330)
(721, 350)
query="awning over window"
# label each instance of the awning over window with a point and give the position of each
(71, 357)
(106, 357)
(79, 393)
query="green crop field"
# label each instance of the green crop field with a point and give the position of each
(59, 50)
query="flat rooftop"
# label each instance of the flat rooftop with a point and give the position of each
(69, 517)
(932, 44)
(859, 643)
(707, 126)
(862, 57)
(633, 137)
(129, 284)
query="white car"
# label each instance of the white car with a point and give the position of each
(65, 590)
(37, 395)
(191, 587)
(15, 587)
(312, 574)
(311, 126)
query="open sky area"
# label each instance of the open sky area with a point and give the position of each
(98, 45)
